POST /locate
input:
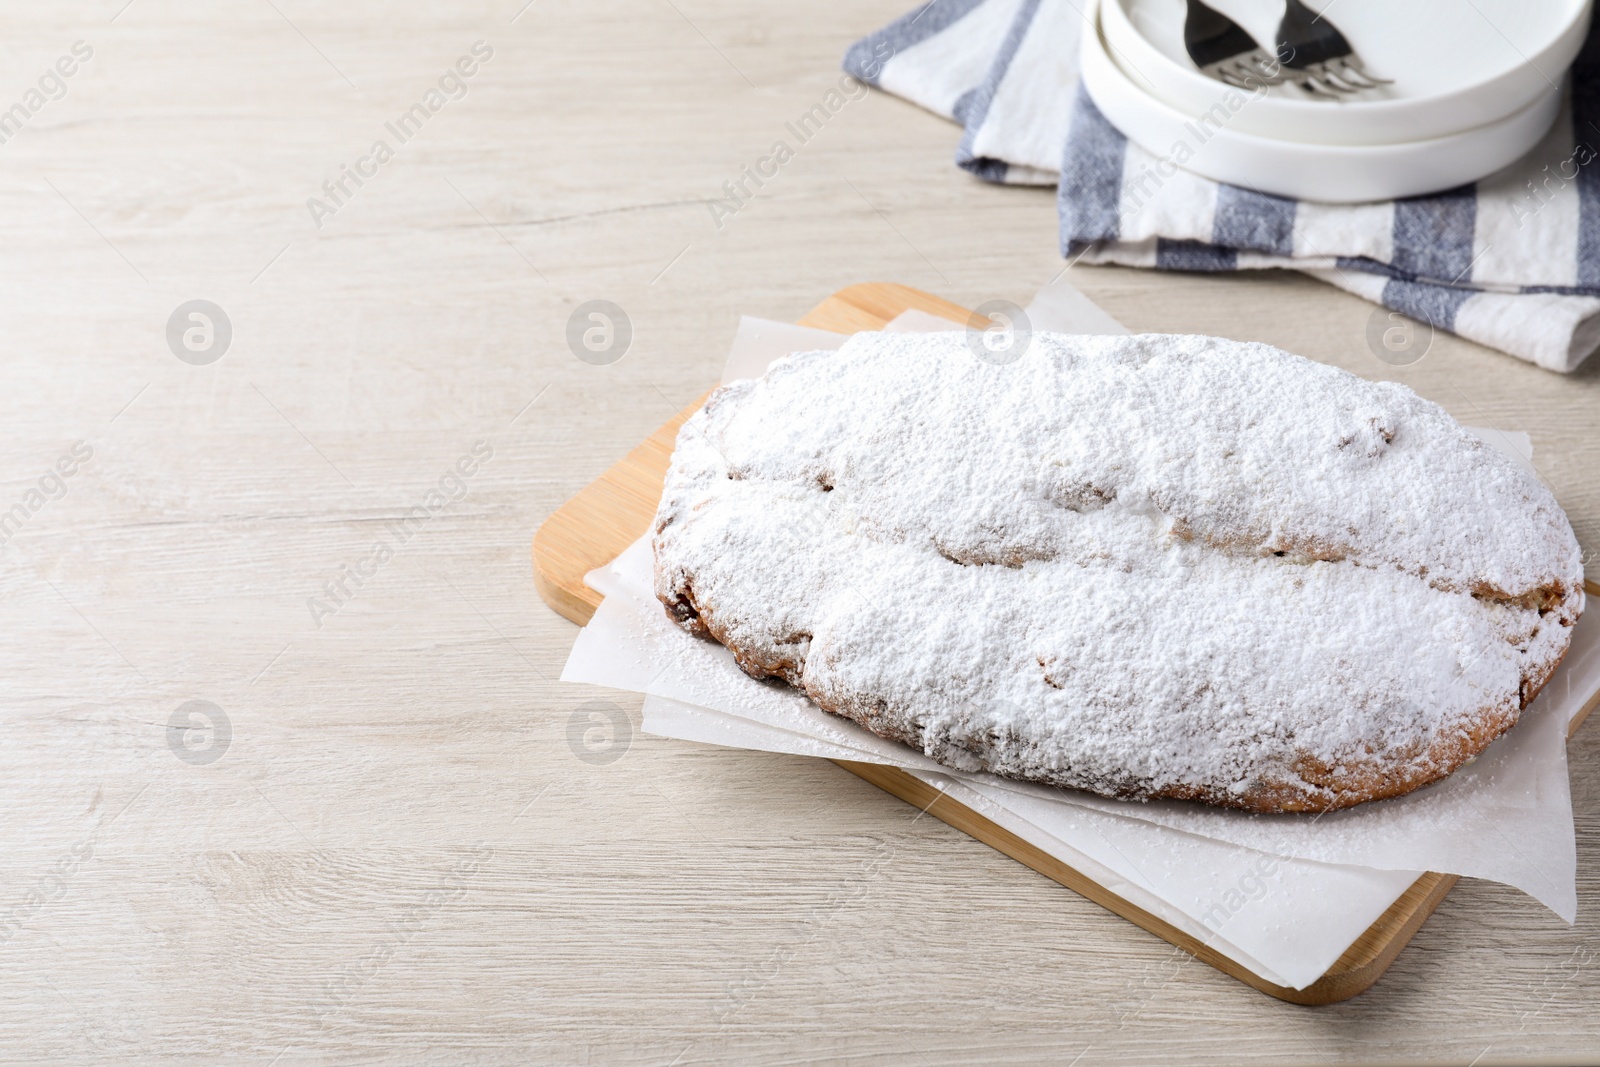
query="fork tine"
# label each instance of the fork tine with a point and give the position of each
(1327, 77)
(1266, 67)
(1310, 85)
(1249, 77)
(1330, 79)
(1353, 79)
(1353, 64)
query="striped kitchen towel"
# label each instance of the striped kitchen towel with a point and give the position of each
(1512, 261)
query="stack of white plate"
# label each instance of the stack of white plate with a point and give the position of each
(1476, 85)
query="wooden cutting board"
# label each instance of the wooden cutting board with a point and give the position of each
(616, 509)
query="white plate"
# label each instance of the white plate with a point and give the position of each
(1456, 64)
(1337, 174)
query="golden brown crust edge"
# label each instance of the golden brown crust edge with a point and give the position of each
(1330, 790)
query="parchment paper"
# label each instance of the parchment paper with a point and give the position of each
(1283, 895)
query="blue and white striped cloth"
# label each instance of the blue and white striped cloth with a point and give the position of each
(1512, 261)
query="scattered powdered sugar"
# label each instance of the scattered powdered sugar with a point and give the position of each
(1144, 566)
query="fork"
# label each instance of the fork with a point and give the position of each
(1318, 57)
(1222, 49)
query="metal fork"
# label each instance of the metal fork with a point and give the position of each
(1318, 57)
(1224, 50)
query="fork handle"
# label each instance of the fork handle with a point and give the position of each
(1211, 36)
(1301, 42)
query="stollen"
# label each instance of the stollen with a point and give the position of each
(1511, 261)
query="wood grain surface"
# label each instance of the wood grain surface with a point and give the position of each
(416, 845)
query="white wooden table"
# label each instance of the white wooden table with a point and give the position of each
(403, 851)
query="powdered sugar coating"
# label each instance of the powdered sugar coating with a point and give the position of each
(1156, 565)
